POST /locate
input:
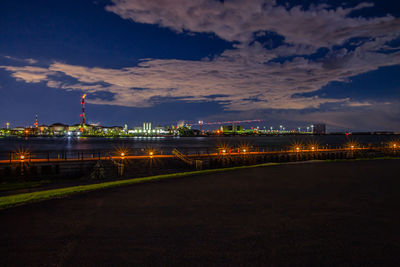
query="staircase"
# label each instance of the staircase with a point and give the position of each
(178, 154)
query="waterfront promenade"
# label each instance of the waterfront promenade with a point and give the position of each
(301, 214)
(17, 158)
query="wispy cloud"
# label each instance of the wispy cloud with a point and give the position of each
(25, 60)
(238, 20)
(29, 74)
(381, 116)
(238, 82)
(248, 77)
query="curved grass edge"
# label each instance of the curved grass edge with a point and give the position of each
(21, 199)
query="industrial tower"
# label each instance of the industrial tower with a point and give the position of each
(83, 120)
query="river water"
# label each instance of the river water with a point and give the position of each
(52, 146)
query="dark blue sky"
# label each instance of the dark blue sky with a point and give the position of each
(296, 64)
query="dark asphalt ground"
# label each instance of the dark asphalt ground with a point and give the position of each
(313, 214)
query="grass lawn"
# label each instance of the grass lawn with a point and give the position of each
(8, 186)
(20, 199)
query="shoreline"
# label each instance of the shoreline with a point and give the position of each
(207, 135)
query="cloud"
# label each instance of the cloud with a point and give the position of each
(25, 60)
(29, 74)
(360, 104)
(239, 79)
(31, 61)
(250, 76)
(379, 116)
(238, 20)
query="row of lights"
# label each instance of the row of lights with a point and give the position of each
(244, 150)
(312, 148)
(224, 150)
(123, 154)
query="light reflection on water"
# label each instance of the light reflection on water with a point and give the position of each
(186, 144)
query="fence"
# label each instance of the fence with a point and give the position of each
(110, 164)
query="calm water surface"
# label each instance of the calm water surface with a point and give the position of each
(165, 145)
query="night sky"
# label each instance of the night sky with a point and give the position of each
(286, 62)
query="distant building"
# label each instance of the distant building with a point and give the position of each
(161, 130)
(43, 129)
(58, 128)
(137, 129)
(117, 129)
(74, 128)
(231, 128)
(147, 127)
(19, 129)
(319, 128)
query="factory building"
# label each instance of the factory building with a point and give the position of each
(319, 128)
(234, 128)
(58, 128)
(148, 130)
(147, 127)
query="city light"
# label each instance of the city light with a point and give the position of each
(352, 145)
(297, 146)
(121, 151)
(22, 157)
(394, 144)
(313, 145)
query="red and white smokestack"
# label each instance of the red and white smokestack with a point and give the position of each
(83, 110)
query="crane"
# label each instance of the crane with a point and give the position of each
(222, 122)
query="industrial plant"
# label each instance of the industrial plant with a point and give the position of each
(148, 129)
